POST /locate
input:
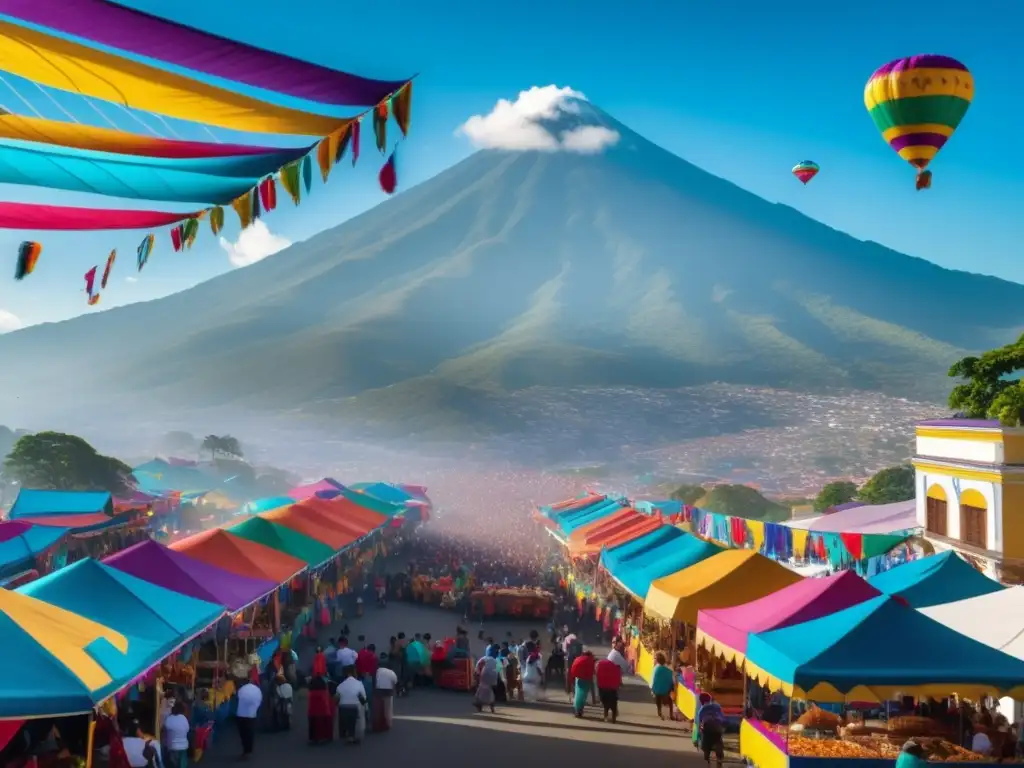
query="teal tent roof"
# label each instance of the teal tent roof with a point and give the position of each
(842, 649)
(158, 476)
(32, 503)
(570, 521)
(126, 604)
(24, 542)
(372, 502)
(267, 504)
(661, 553)
(933, 580)
(384, 492)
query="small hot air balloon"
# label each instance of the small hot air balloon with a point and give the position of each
(806, 170)
(917, 103)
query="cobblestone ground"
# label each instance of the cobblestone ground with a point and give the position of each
(441, 728)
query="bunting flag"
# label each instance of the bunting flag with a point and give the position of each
(145, 248)
(380, 126)
(401, 107)
(145, 35)
(94, 299)
(216, 220)
(106, 269)
(290, 181)
(90, 280)
(28, 256)
(344, 136)
(243, 207)
(388, 176)
(307, 173)
(177, 238)
(268, 194)
(189, 230)
(325, 158)
(355, 142)
(254, 199)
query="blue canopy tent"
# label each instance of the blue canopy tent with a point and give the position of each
(934, 580)
(384, 492)
(570, 521)
(20, 542)
(639, 568)
(615, 557)
(31, 503)
(266, 504)
(837, 657)
(126, 604)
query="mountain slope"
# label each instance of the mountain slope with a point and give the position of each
(517, 269)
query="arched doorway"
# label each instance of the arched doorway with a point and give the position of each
(974, 519)
(937, 517)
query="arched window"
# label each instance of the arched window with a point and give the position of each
(973, 519)
(935, 521)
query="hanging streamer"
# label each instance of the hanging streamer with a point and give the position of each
(216, 219)
(356, 130)
(290, 181)
(401, 107)
(324, 158)
(388, 176)
(145, 248)
(189, 230)
(254, 197)
(106, 269)
(243, 207)
(66, 219)
(380, 126)
(344, 136)
(28, 256)
(307, 173)
(90, 280)
(177, 237)
(268, 194)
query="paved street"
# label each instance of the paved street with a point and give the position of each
(441, 728)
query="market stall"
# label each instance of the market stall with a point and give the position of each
(624, 525)
(933, 580)
(730, 578)
(522, 603)
(575, 519)
(838, 658)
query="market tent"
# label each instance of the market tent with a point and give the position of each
(298, 545)
(327, 488)
(726, 630)
(84, 523)
(372, 503)
(838, 657)
(63, 663)
(864, 519)
(675, 554)
(570, 504)
(570, 521)
(158, 476)
(995, 619)
(21, 541)
(615, 557)
(623, 526)
(180, 573)
(232, 553)
(305, 519)
(32, 504)
(730, 578)
(126, 604)
(933, 580)
(349, 513)
(384, 492)
(266, 505)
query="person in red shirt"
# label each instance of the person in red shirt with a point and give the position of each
(609, 680)
(366, 663)
(581, 674)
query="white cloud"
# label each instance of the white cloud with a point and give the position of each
(131, 279)
(253, 244)
(518, 125)
(9, 321)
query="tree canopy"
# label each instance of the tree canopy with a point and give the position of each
(56, 461)
(222, 445)
(834, 494)
(889, 485)
(688, 494)
(743, 501)
(991, 387)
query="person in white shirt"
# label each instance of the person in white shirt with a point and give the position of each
(351, 697)
(617, 658)
(283, 704)
(384, 696)
(249, 699)
(138, 750)
(981, 743)
(346, 657)
(176, 728)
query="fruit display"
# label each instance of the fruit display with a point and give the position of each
(878, 747)
(818, 719)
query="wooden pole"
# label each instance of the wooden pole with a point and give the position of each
(90, 740)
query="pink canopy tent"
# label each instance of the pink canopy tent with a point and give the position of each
(325, 489)
(726, 630)
(870, 518)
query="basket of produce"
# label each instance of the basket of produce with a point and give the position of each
(816, 719)
(912, 725)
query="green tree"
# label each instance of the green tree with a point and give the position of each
(889, 485)
(688, 494)
(56, 461)
(222, 445)
(834, 494)
(991, 387)
(743, 501)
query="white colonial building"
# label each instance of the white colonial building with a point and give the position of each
(970, 492)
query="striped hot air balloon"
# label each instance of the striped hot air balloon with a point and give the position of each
(806, 170)
(917, 103)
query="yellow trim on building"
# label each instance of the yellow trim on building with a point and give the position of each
(964, 473)
(973, 498)
(937, 492)
(979, 435)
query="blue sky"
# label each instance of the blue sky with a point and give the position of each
(742, 89)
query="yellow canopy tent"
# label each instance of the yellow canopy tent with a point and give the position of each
(729, 578)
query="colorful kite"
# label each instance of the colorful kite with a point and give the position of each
(28, 255)
(917, 103)
(806, 170)
(106, 269)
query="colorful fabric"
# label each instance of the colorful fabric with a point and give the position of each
(76, 68)
(579, 701)
(68, 219)
(28, 257)
(145, 248)
(917, 102)
(106, 269)
(163, 40)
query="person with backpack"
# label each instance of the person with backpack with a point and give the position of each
(708, 729)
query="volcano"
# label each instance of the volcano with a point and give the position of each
(629, 267)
